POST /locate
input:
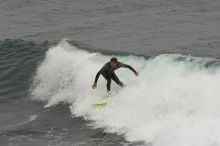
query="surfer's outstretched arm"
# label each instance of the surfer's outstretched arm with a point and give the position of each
(97, 76)
(94, 85)
(129, 67)
(96, 79)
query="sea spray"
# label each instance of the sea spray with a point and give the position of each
(174, 101)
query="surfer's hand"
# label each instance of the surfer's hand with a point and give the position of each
(94, 86)
(136, 73)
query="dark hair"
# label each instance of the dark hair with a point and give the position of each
(114, 59)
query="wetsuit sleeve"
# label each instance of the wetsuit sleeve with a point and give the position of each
(100, 72)
(127, 66)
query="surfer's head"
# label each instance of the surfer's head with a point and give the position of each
(113, 62)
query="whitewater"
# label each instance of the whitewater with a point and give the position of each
(173, 102)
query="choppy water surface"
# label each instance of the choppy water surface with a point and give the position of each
(45, 92)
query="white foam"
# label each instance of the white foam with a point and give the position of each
(31, 118)
(171, 102)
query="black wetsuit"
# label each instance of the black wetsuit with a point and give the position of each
(108, 73)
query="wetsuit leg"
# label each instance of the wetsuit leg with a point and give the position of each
(107, 77)
(115, 78)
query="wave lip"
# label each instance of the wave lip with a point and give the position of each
(174, 101)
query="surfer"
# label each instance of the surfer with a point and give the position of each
(108, 73)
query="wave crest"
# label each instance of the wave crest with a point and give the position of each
(174, 101)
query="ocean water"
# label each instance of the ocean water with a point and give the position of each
(50, 52)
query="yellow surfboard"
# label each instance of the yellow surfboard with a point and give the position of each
(101, 102)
